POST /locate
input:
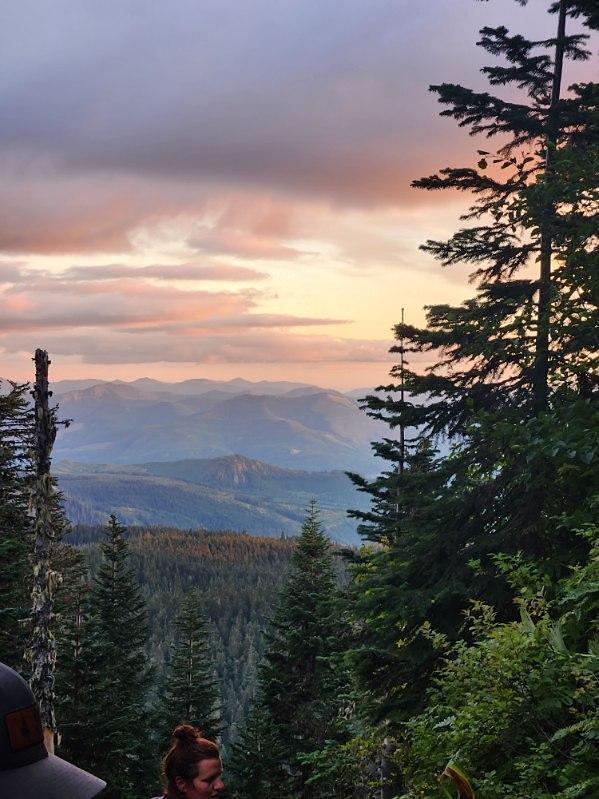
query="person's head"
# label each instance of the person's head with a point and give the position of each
(192, 766)
(27, 771)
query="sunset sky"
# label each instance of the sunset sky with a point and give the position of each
(220, 188)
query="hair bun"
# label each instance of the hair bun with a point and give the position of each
(186, 734)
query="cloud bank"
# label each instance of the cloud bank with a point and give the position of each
(203, 182)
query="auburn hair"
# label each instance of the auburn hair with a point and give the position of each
(188, 748)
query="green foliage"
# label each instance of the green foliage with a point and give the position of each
(347, 769)
(15, 524)
(256, 758)
(74, 664)
(108, 725)
(511, 385)
(238, 577)
(518, 707)
(298, 700)
(191, 693)
(400, 581)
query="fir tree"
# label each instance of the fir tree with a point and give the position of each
(399, 582)
(256, 759)
(521, 339)
(298, 685)
(523, 347)
(15, 524)
(74, 664)
(301, 631)
(192, 694)
(512, 365)
(118, 675)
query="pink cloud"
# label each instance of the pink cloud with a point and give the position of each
(112, 123)
(270, 320)
(240, 244)
(248, 226)
(121, 346)
(133, 305)
(18, 302)
(113, 303)
(186, 271)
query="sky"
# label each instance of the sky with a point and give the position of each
(221, 188)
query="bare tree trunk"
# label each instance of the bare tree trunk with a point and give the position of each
(43, 647)
(541, 364)
(79, 612)
(391, 780)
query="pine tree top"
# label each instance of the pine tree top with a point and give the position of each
(118, 601)
(312, 541)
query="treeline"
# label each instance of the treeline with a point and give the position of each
(237, 577)
(464, 653)
(155, 629)
(131, 611)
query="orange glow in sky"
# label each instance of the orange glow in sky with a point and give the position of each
(223, 190)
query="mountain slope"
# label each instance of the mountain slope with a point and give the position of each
(129, 423)
(226, 493)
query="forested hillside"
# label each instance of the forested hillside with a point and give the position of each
(238, 578)
(221, 493)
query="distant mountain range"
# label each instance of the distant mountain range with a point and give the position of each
(190, 387)
(290, 425)
(232, 492)
(214, 454)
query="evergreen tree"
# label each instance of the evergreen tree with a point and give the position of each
(392, 597)
(256, 759)
(299, 687)
(352, 762)
(118, 747)
(192, 694)
(74, 666)
(520, 339)
(15, 524)
(295, 673)
(513, 364)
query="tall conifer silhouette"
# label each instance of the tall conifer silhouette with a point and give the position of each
(192, 694)
(16, 538)
(298, 702)
(119, 748)
(512, 378)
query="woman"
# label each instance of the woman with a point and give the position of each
(192, 767)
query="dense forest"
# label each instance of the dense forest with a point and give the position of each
(238, 578)
(456, 652)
